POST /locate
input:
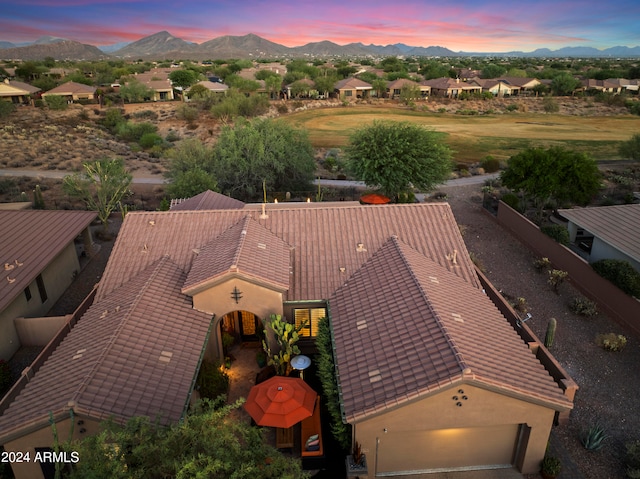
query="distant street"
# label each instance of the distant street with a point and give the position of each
(159, 180)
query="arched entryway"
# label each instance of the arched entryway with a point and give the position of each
(242, 325)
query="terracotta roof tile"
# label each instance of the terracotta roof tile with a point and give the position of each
(32, 239)
(402, 332)
(325, 241)
(208, 200)
(129, 355)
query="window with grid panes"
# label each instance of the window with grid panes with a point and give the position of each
(312, 316)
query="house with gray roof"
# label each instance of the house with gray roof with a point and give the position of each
(606, 232)
(432, 376)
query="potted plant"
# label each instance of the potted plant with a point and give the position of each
(261, 358)
(551, 467)
(356, 462)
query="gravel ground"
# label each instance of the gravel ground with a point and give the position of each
(608, 381)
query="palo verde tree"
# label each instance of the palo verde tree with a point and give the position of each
(101, 186)
(398, 156)
(554, 174)
(209, 443)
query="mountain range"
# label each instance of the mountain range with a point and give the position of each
(163, 45)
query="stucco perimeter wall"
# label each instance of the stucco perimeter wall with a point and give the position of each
(43, 437)
(57, 277)
(39, 331)
(219, 300)
(483, 408)
(612, 301)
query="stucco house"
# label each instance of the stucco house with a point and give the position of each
(450, 87)
(38, 258)
(352, 88)
(390, 279)
(394, 88)
(72, 91)
(498, 88)
(16, 91)
(606, 232)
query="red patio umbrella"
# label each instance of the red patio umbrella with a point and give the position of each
(375, 199)
(280, 402)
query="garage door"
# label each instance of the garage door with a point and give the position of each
(447, 449)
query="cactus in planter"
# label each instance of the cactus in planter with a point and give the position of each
(551, 333)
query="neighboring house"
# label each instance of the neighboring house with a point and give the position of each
(214, 87)
(16, 91)
(605, 86)
(157, 80)
(300, 88)
(39, 260)
(389, 278)
(627, 85)
(606, 232)
(394, 88)
(450, 87)
(72, 91)
(525, 85)
(352, 88)
(498, 88)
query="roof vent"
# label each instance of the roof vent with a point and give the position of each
(152, 222)
(264, 214)
(262, 246)
(375, 376)
(342, 269)
(433, 279)
(362, 324)
(457, 317)
(8, 267)
(360, 248)
(453, 257)
(165, 356)
(79, 353)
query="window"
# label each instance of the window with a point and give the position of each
(348, 93)
(312, 317)
(41, 289)
(27, 293)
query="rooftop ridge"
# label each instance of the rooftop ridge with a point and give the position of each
(246, 221)
(155, 271)
(399, 245)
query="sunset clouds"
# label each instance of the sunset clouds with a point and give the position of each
(468, 25)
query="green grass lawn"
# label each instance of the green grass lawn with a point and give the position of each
(474, 137)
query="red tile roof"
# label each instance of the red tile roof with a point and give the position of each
(207, 200)
(130, 354)
(329, 244)
(32, 239)
(247, 249)
(70, 88)
(402, 332)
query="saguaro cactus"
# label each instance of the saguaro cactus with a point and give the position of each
(551, 333)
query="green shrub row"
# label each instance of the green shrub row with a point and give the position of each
(620, 273)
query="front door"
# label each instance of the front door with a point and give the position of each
(248, 326)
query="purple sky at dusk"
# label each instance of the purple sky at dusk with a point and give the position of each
(464, 25)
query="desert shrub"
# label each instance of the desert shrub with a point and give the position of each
(550, 105)
(542, 264)
(513, 201)
(611, 341)
(633, 107)
(490, 164)
(282, 108)
(172, 136)
(467, 111)
(512, 107)
(583, 307)
(56, 102)
(632, 459)
(593, 438)
(148, 114)
(187, 113)
(5, 377)
(149, 140)
(556, 278)
(558, 232)
(6, 108)
(520, 304)
(134, 131)
(212, 380)
(620, 273)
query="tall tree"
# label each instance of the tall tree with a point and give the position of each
(209, 443)
(398, 156)
(183, 78)
(269, 151)
(553, 174)
(564, 84)
(101, 186)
